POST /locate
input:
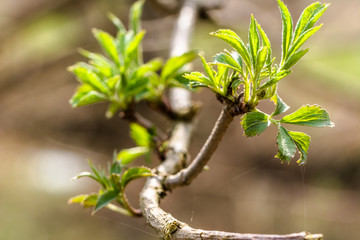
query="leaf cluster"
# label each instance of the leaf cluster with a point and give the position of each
(118, 176)
(120, 77)
(249, 72)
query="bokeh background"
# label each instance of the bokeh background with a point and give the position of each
(44, 142)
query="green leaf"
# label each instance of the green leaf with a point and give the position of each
(302, 142)
(286, 145)
(85, 96)
(266, 42)
(134, 173)
(126, 156)
(198, 79)
(228, 61)
(103, 65)
(287, 26)
(86, 200)
(294, 58)
(140, 135)
(276, 78)
(313, 116)
(208, 70)
(174, 64)
(132, 48)
(260, 61)
(115, 168)
(86, 74)
(117, 22)
(108, 43)
(235, 41)
(135, 16)
(281, 106)
(112, 109)
(254, 123)
(85, 174)
(105, 198)
(253, 40)
(309, 17)
(99, 175)
(302, 39)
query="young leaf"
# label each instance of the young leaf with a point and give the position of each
(132, 48)
(260, 61)
(135, 16)
(294, 58)
(140, 135)
(287, 26)
(309, 17)
(117, 22)
(276, 78)
(115, 168)
(198, 79)
(108, 43)
(85, 174)
(82, 98)
(254, 123)
(228, 61)
(302, 39)
(281, 106)
(126, 156)
(208, 70)
(235, 41)
(286, 145)
(86, 74)
(313, 116)
(253, 40)
(174, 64)
(103, 65)
(302, 142)
(105, 198)
(134, 173)
(266, 42)
(112, 109)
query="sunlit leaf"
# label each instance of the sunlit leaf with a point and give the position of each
(140, 135)
(198, 79)
(253, 40)
(266, 42)
(134, 173)
(135, 16)
(287, 26)
(208, 70)
(313, 116)
(260, 61)
(281, 106)
(105, 198)
(227, 60)
(108, 43)
(85, 174)
(294, 58)
(302, 39)
(174, 64)
(83, 97)
(302, 142)
(132, 48)
(254, 123)
(127, 156)
(117, 22)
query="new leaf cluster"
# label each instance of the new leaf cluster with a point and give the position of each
(120, 77)
(248, 75)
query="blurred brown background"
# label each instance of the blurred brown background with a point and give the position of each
(44, 142)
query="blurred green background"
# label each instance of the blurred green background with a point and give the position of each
(44, 142)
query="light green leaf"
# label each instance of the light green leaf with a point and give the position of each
(112, 109)
(266, 42)
(313, 116)
(287, 26)
(309, 17)
(132, 48)
(281, 106)
(294, 58)
(260, 61)
(208, 70)
(117, 22)
(127, 156)
(302, 39)
(228, 61)
(254, 40)
(174, 64)
(140, 135)
(286, 145)
(86, 74)
(254, 123)
(86, 95)
(134, 173)
(103, 65)
(198, 79)
(86, 200)
(302, 142)
(135, 16)
(105, 198)
(276, 78)
(78, 199)
(108, 43)
(85, 174)
(235, 41)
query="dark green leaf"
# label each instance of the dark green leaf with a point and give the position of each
(105, 198)
(140, 135)
(309, 17)
(302, 142)
(134, 173)
(313, 116)
(99, 175)
(286, 29)
(174, 64)
(286, 145)
(281, 106)
(135, 16)
(254, 40)
(126, 156)
(108, 43)
(254, 123)
(235, 41)
(294, 58)
(86, 74)
(115, 168)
